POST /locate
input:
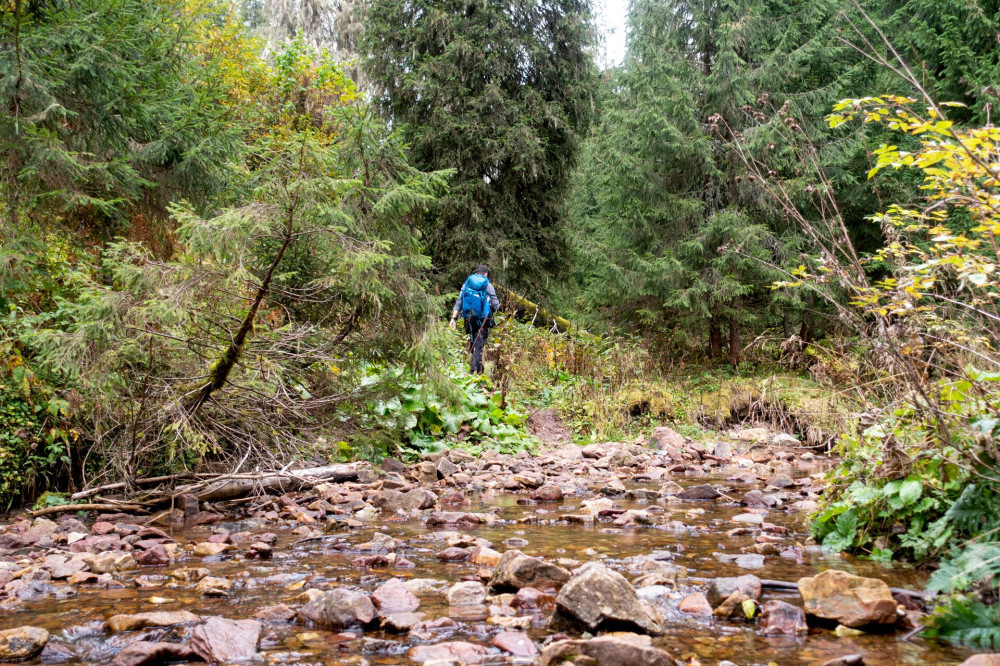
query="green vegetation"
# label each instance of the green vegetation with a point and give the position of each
(500, 92)
(217, 254)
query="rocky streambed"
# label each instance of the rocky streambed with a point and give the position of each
(661, 552)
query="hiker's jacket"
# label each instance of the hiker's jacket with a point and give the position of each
(490, 292)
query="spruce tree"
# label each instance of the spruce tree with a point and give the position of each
(500, 92)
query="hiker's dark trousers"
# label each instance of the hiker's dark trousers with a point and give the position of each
(478, 332)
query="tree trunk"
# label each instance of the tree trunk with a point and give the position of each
(786, 324)
(806, 332)
(220, 373)
(714, 339)
(267, 482)
(734, 342)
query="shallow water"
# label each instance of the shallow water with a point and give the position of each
(77, 637)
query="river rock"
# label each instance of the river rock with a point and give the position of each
(22, 643)
(596, 595)
(851, 600)
(156, 555)
(721, 589)
(223, 640)
(135, 621)
(664, 438)
(338, 609)
(702, 492)
(466, 593)
(112, 562)
(457, 651)
(516, 643)
(210, 548)
(530, 599)
(846, 660)
(394, 597)
(982, 660)
(547, 493)
(516, 570)
(400, 622)
(141, 653)
(779, 617)
(696, 604)
(618, 650)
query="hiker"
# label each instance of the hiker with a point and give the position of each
(476, 302)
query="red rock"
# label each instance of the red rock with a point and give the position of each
(394, 597)
(223, 640)
(466, 653)
(370, 562)
(515, 642)
(148, 652)
(453, 554)
(156, 555)
(779, 617)
(529, 598)
(696, 604)
(100, 529)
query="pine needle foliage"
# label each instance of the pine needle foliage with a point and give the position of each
(500, 92)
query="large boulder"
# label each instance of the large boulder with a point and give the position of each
(338, 609)
(619, 650)
(516, 570)
(853, 601)
(225, 641)
(22, 643)
(597, 596)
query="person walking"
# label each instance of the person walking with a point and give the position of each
(476, 302)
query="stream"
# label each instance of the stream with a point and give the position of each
(692, 534)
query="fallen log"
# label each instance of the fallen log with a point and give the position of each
(229, 487)
(121, 485)
(68, 508)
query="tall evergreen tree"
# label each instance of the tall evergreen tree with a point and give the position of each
(500, 91)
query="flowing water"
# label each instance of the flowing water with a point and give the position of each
(701, 547)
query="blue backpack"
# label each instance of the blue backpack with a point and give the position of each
(475, 300)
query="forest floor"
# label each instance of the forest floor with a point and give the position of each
(659, 551)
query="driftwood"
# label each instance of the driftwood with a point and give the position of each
(235, 486)
(67, 508)
(147, 481)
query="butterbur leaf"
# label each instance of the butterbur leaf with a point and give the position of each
(910, 490)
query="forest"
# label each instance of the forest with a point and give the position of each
(743, 383)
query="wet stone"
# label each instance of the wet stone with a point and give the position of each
(516, 643)
(702, 492)
(223, 640)
(394, 597)
(22, 643)
(141, 653)
(338, 609)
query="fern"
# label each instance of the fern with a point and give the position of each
(969, 622)
(973, 564)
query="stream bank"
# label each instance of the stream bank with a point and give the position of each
(458, 559)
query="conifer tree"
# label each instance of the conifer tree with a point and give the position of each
(500, 92)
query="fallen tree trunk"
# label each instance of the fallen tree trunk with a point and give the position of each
(67, 508)
(241, 485)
